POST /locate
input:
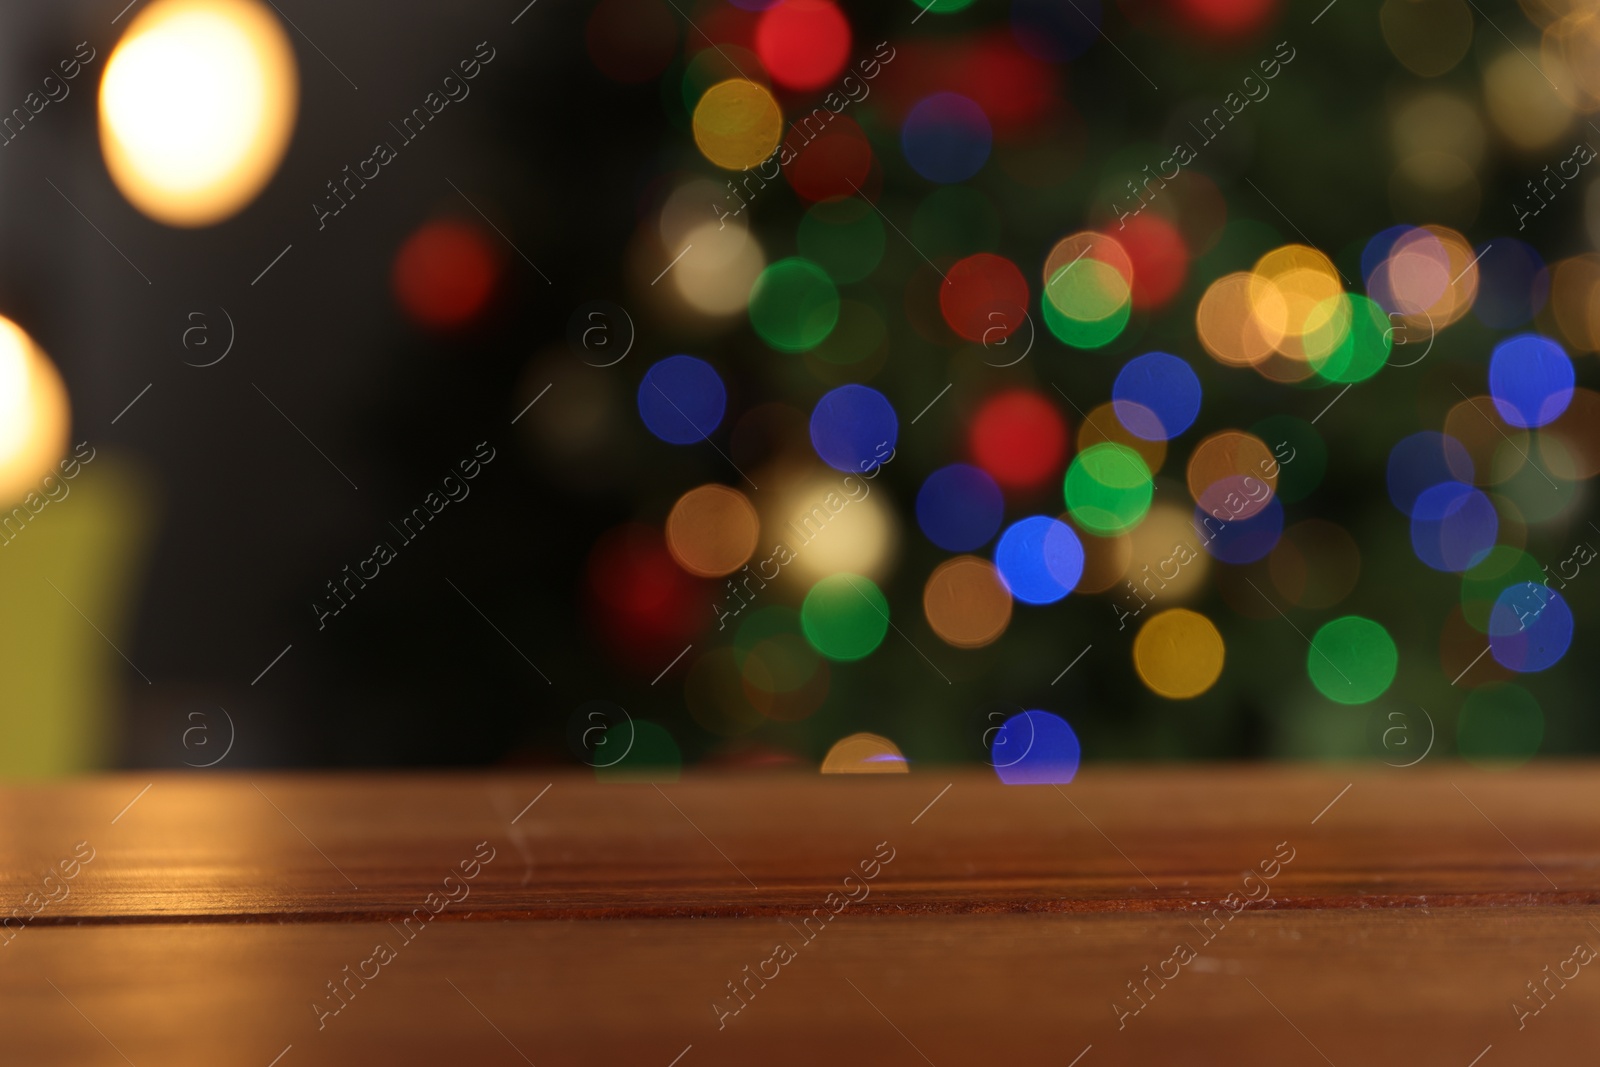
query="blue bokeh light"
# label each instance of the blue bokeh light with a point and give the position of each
(682, 399)
(1421, 461)
(854, 428)
(1039, 559)
(1035, 748)
(960, 507)
(1530, 628)
(1156, 396)
(946, 138)
(1453, 527)
(1513, 284)
(1531, 380)
(1242, 540)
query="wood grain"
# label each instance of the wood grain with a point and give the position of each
(1414, 907)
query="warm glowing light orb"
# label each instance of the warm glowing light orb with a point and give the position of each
(33, 414)
(196, 108)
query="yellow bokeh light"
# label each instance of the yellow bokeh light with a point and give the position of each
(833, 523)
(864, 754)
(1178, 654)
(196, 108)
(737, 124)
(34, 414)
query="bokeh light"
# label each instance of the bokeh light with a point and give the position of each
(1352, 660)
(854, 428)
(1019, 437)
(794, 305)
(196, 109)
(984, 298)
(1035, 748)
(1039, 559)
(682, 400)
(959, 508)
(803, 43)
(864, 753)
(966, 602)
(34, 414)
(445, 274)
(1530, 628)
(845, 616)
(1108, 488)
(946, 138)
(1157, 396)
(1453, 526)
(711, 531)
(1421, 461)
(1531, 380)
(737, 124)
(1178, 653)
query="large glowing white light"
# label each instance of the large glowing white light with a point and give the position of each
(197, 107)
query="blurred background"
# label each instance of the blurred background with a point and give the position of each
(645, 383)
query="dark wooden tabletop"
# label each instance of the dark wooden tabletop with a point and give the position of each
(1277, 915)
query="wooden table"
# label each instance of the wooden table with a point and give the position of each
(1392, 917)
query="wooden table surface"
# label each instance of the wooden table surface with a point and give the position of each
(1277, 915)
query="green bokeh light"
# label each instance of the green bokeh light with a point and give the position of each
(1365, 346)
(1352, 660)
(1108, 488)
(943, 7)
(794, 305)
(843, 237)
(845, 616)
(1500, 724)
(1086, 304)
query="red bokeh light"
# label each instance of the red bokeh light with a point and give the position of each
(1160, 259)
(1226, 18)
(803, 43)
(836, 162)
(984, 298)
(643, 605)
(1020, 438)
(445, 274)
